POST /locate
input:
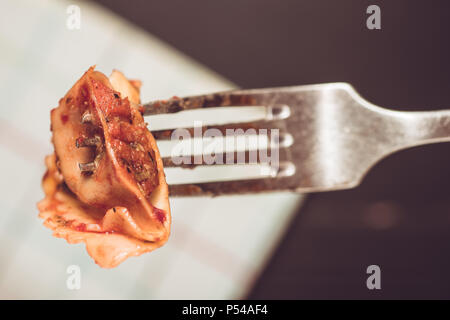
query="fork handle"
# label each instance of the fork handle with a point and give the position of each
(425, 127)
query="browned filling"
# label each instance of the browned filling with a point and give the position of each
(128, 133)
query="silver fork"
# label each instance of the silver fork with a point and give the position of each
(337, 135)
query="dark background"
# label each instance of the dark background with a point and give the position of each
(399, 218)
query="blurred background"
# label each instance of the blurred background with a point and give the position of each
(278, 246)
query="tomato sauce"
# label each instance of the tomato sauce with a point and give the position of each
(129, 139)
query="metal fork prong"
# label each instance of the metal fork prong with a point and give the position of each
(339, 136)
(278, 183)
(88, 167)
(228, 158)
(86, 117)
(221, 99)
(257, 125)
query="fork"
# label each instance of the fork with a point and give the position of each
(335, 136)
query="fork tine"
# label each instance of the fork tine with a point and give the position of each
(263, 124)
(284, 155)
(282, 182)
(175, 104)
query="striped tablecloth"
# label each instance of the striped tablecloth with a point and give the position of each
(217, 246)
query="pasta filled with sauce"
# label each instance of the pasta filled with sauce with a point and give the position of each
(105, 183)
